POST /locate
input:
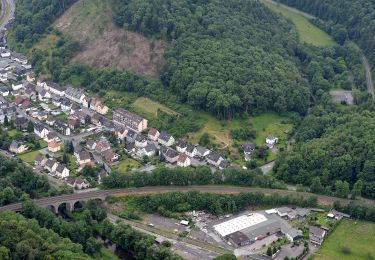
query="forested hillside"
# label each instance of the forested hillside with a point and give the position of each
(22, 238)
(333, 144)
(346, 19)
(224, 56)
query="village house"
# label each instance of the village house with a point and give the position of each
(120, 132)
(30, 92)
(102, 145)
(50, 120)
(224, 164)
(30, 77)
(169, 154)
(183, 160)
(17, 86)
(75, 108)
(248, 149)
(42, 116)
(78, 184)
(74, 94)
(62, 127)
(191, 150)
(149, 150)
(56, 101)
(91, 144)
(140, 141)
(130, 147)
(110, 156)
(4, 91)
(165, 139)
(66, 105)
(214, 159)
(21, 122)
(74, 123)
(82, 117)
(17, 147)
(51, 165)
(86, 102)
(130, 136)
(130, 120)
(271, 141)
(317, 235)
(5, 53)
(181, 146)
(202, 151)
(54, 88)
(40, 130)
(102, 109)
(18, 100)
(153, 134)
(52, 136)
(62, 171)
(44, 96)
(18, 57)
(54, 147)
(25, 105)
(40, 161)
(83, 157)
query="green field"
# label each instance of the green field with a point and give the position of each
(357, 236)
(12, 133)
(308, 33)
(149, 108)
(29, 157)
(125, 165)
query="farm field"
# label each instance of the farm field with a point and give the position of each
(358, 237)
(29, 157)
(308, 32)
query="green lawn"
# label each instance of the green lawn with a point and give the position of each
(149, 108)
(125, 165)
(12, 133)
(357, 236)
(308, 32)
(29, 157)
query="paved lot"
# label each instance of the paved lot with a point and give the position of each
(289, 251)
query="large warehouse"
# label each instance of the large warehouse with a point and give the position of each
(247, 229)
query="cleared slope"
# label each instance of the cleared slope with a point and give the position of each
(104, 44)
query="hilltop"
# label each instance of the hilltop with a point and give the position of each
(106, 45)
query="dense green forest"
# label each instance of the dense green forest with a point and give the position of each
(335, 143)
(224, 56)
(18, 182)
(22, 238)
(344, 19)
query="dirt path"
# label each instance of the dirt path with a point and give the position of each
(370, 85)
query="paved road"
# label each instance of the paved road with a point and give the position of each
(7, 13)
(322, 199)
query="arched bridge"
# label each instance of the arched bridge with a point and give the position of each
(70, 200)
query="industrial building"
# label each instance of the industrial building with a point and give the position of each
(246, 229)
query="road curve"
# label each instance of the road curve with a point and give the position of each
(43, 202)
(7, 13)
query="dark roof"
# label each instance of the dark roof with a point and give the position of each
(129, 146)
(249, 147)
(150, 147)
(20, 120)
(15, 144)
(70, 179)
(39, 158)
(50, 163)
(224, 164)
(164, 136)
(213, 156)
(131, 116)
(238, 237)
(60, 168)
(181, 143)
(202, 150)
(141, 138)
(52, 135)
(84, 155)
(131, 134)
(54, 85)
(190, 148)
(317, 232)
(168, 152)
(38, 127)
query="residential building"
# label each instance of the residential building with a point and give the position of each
(4, 91)
(74, 123)
(317, 235)
(271, 141)
(224, 164)
(248, 148)
(202, 151)
(50, 120)
(110, 156)
(51, 165)
(130, 147)
(102, 109)
(165, 139)
(149, 150)
(120, 132)
(66, 105)
(44, 95)
(54, 147)
(17, 147)
(83, 157)
(40, 161)
(21, 122)
(18, 100)
(52, 136)
(62, 171)
(169, 154)
(62, 127)
(55, 88)
(140, 141)
(17, 86)
(214, 159)
(86, 102)
(76, 183)
(191, 150)
(153, 134)
(75, 108)
(82, 117)
(181, 146)
(130, 136)
(18, 57)
(183, 160)
(74, 94)
(40, 131)
(129, 119)
(102, 145)
(56, 101)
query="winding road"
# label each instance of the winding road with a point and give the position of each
(7, 13)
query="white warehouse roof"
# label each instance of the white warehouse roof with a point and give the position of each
(239, 223)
